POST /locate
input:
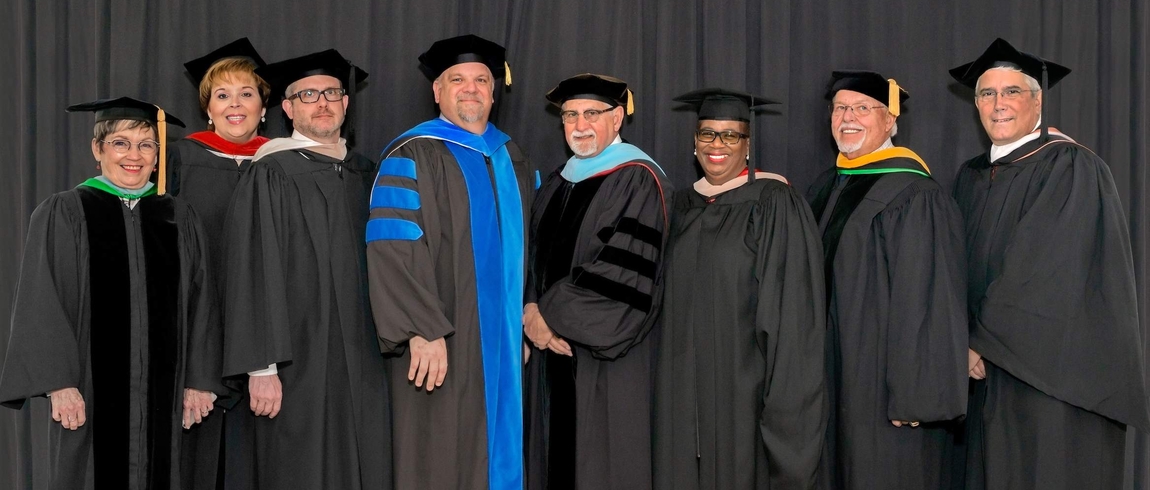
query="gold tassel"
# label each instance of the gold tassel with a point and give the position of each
(892, 97)
(630, 102)
(162, 127)
(507, 78)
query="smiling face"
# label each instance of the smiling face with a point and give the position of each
(860, 135)
(235, 108)
(1005, 120)
(588, 139)
(720, 161)
(131, 169)
(319, 120)
(465, 93)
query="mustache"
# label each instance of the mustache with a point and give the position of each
(580, 134)
(851, 126)
(467, 97)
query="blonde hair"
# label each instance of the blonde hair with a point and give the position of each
(228, 69)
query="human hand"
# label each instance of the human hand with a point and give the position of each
(266, 393)
(197, 405)
(900, 423)
(976, 368)
(68, 408)
(540, 334)
(526, 353)
(534, 327)
(428, 360)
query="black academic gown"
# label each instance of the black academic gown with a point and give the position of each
(595, 271)
(428, 287)
(897, 338)
(296, 295)
(1053, 313)
(112, 301)
(206, 181)
(740, 400)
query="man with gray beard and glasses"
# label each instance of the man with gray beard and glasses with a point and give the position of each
(445, 255)
(896, 297)
(598, 230)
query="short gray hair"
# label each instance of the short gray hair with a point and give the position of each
(104, 128)
(1031, 83)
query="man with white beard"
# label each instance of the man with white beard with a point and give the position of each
(896, 296)
(598, 229)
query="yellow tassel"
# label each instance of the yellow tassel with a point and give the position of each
(892, 97)
(630, 102)
(507, 77)
(162, 126)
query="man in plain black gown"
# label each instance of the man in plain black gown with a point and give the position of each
(297, 319)
(1054, 333)
(896, 327)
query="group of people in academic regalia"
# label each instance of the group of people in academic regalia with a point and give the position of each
(236, 312)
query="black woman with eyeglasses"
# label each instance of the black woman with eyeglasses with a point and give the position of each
(297, 325)
(739, 398)
(112, 317)
(896, 295)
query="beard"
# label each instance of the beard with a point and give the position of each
(583, 148)
(470, 113)
(845, 148)
(322, 130)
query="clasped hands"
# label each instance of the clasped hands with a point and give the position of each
(540, 334)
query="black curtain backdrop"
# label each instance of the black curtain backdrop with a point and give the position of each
(59, 52)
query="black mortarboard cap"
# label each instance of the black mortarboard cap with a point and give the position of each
(240, 48)
(135, 110)
(603, 88)
(124, 108)
(871, 84)
(468, 48)
(723, 105)
(1001, 53)
(329, 62)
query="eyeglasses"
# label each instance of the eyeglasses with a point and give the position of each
(146, 147)
(727, 137)
(1008, 93)
(311, 95)
(860, 110)
(591, 115)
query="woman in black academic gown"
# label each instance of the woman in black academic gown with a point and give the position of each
(205, 166)
(203, 170)
(111, 320)
(739, 392)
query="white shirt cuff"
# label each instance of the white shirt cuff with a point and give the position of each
(265, 372)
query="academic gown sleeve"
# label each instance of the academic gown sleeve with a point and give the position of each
(790, 322)
(605, 302)
(203, 369)
(256, 328)
(43, 349)
(411, 194)
(1062, 315)
(927, 329)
